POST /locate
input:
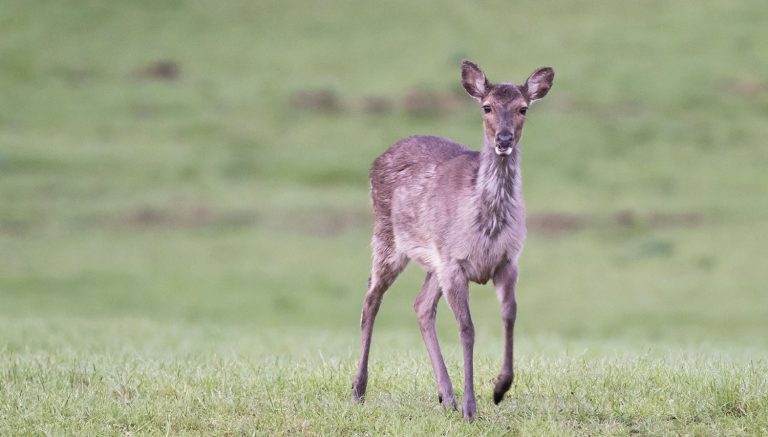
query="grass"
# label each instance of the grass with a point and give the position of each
(197, 379)
(185, 253)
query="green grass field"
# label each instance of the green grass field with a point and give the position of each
(184, 216)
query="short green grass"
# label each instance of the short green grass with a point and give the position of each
(197, 380)
(188, 255)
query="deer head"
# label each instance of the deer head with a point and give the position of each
(505, 104)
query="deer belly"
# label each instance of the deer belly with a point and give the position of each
(429, 260)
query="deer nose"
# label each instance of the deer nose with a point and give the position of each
(504, 139)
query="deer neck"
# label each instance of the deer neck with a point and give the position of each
(498, 189)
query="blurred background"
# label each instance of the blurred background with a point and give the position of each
(187, 171)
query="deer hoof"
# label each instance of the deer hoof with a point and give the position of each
(358, 393)
(470, 410)
(502, 386)
(448, 402)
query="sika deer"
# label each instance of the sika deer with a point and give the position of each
(460, 215)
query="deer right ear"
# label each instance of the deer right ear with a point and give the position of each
(474, 80)
(539, 83)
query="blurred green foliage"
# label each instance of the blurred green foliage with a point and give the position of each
(205, 160)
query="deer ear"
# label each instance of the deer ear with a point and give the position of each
(539, 83)
(474, 81)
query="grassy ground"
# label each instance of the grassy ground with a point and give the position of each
(184, 216)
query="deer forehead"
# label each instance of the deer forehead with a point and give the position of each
(506, 94)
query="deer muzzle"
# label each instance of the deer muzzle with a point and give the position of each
(504, 143)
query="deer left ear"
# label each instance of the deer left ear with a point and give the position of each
(539, 83)
(474, 81)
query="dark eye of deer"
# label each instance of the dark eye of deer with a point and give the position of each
(487, 108)
(523, 110)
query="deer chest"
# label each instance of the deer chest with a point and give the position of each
(486, 254)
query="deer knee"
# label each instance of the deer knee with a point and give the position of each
(418, 308)
(371, 305)
(372, 299)
(466, 328)
(424, 313)
(509, 311)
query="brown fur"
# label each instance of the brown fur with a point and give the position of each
(460, 215)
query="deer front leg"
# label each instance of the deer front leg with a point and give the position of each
(456, 290)
(505, 281)
(426, 311)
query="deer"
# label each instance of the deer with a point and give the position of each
(460, 215)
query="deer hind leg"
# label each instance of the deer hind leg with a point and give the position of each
(387, 265)
(426, 310)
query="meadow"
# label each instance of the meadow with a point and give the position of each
(185, 224)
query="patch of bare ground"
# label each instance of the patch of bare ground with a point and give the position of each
(611, 110)
(162, 69)
(750, 89)
(10, 226)
(323, 223)
(75, 76)
(316, 100)
(551, 223)
(196, 216)
(433, 102)
(416, 102)
(333, 222)
(176, 216)
(377, 105)
(557, 223)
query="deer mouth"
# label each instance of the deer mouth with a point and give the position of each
(503, 149)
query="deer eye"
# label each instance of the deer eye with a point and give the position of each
(486, 108)
(523, 110)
